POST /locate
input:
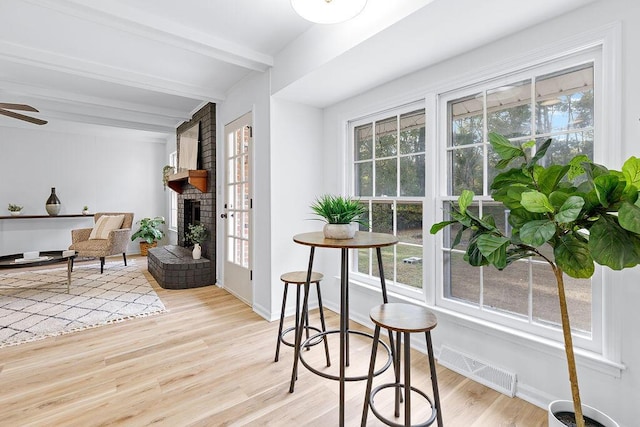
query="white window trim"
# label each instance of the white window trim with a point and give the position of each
(363, 279)
(608, 116)
(173, 161)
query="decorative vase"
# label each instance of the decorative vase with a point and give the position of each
(558, 406)
(340, 231)
(197, 251)
(53, 203)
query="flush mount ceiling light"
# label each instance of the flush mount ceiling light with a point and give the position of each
(328, 11)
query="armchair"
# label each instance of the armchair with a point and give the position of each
(107, 237)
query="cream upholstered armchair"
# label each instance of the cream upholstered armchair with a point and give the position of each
(109, 236)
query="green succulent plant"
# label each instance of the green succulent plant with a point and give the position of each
(14, 208)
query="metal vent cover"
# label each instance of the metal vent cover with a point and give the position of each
(490, 376)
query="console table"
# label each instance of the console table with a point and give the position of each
(45, 216)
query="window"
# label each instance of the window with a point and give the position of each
(554, 100)
(389, 178)
(173, 204)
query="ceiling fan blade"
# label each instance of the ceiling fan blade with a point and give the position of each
(23, 107)
(23, 117)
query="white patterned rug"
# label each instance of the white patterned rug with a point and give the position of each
(35, 304)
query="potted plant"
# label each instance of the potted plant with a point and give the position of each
(166, 171)
(585, 212)
(341, 214)
(14, 209)
(197, 234)
(85, 210)
(150, 232)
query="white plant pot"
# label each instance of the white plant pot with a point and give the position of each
(15, 213)
(587, 411)
(340, 231)
(197, 251)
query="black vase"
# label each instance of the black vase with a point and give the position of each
(53, 203)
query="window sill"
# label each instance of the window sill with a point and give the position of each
(585, 358)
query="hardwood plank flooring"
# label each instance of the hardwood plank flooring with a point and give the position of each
(208, 361)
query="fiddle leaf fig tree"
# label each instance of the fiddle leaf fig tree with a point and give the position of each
(585, 212)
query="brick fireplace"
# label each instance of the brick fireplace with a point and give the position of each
(172, 266)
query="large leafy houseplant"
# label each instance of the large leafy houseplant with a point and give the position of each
(150, 230)
(585, 212)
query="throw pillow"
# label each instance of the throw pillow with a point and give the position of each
(105, 225)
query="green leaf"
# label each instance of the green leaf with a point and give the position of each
(503, 163)
(504, 148)
(576, 166)
(631, 171)
(458, 238)
(549, 178)
(629, 217)
(534, 201)
(465, 200)
(473, 255)
(494, 248)
(572, 256)
(607, 189)
(512, 176)
(570, 210)
(557, 198)
(440, 225)
(540, 152)
(537, 233)
(612, 245)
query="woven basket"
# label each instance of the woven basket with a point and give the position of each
(144, 247)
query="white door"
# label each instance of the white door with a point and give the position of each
(237, 208)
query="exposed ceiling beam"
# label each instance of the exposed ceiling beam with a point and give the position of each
(52, 61)
(169, 32)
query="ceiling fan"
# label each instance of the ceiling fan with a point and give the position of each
(4, 110)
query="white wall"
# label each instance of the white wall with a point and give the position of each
(540, 367)
(105, 173)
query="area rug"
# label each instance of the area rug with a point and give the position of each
(35, 304)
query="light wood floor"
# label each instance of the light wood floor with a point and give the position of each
(208, 361)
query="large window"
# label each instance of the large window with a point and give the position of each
(389, 178)
(554, 100)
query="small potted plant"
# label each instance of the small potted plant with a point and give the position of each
(166, 171)
(150, 232)
(584, 212)
(85, 210)
(14, 209)
(341, 214)
(197, 234)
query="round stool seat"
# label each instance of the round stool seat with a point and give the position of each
(401, 317)
(300, 277)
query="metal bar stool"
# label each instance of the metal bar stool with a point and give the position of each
(405, 319)
(299, 278)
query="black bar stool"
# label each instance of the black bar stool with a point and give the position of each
(405, 319)
(299, 278)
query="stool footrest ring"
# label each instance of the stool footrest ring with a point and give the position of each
(310, 342)
(337, 377)
(388, 422)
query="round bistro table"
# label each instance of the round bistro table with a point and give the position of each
(362, 240)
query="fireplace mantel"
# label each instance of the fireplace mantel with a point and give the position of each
(197, 178)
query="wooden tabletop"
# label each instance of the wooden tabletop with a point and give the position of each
(362, 239)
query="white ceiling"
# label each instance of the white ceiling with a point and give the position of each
(146, 65)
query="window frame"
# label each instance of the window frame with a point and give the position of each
(602, 154)
(414, 293)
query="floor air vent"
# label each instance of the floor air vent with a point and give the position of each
(495, 378)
